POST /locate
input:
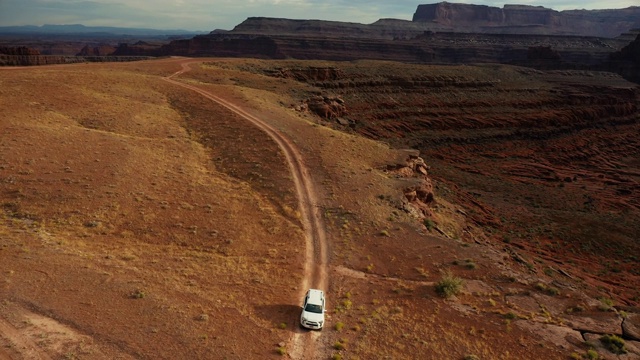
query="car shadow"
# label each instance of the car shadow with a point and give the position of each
(283, 316)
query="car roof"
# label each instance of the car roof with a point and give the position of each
(316, 296)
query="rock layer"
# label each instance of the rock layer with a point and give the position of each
(526, 19)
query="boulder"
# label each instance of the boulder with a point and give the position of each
(631, 327)
(598, 323)
(561, 336)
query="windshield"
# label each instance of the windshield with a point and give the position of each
(314, 308)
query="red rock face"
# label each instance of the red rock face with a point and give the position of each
(546, 162)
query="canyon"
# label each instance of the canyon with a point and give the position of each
(495, 145)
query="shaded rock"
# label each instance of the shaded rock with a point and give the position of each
(598, 323)
(633, 347)
(102, 50)
(478, 287)
(631, 326)
(327, 107)
(561, 336)
(524, 303)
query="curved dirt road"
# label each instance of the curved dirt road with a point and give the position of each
(303, 343)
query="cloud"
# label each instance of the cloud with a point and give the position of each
(225, 14)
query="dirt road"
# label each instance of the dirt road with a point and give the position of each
(303, 343)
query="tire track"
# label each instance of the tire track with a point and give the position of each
(23, 344)
(302, 343)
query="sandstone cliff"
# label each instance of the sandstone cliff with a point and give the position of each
(526, 19)
(438, 47)
(32, 60)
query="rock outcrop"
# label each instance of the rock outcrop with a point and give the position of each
(102, 50)
(419, 197)
(526, 19)
(327, 107)
(626, 62)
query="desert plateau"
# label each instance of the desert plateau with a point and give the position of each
(458, 193)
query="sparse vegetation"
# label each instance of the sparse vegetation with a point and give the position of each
(511, 315)
(449, 285)
(592, 355)
(550, 290)
(429, 224)
(192, 234)
(469, 264)
(614, 343)
(346, 304)
(605, 304)
(575, 308)
(137, 294)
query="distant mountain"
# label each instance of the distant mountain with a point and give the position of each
(78, 29)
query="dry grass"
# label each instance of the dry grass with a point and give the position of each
(126, 185)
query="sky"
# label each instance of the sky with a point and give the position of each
(207, 15)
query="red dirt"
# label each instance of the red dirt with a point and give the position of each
(144, 220)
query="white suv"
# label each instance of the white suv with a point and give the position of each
(313, 310)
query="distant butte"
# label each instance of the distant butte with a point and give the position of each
(525, 19)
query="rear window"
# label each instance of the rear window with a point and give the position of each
(313, 308)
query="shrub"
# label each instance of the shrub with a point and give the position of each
(282, 326)
(553, 291)
(137, 294)
(449, 285)
(336, 357)
(592, 355)
(347, 304)
(339, 326)
(510, 315)
(429, 224)
(469, 264)
(471, 357)
(281, 350)
(338, 345)
(605, 304)
(540, 286)
(614, 343)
